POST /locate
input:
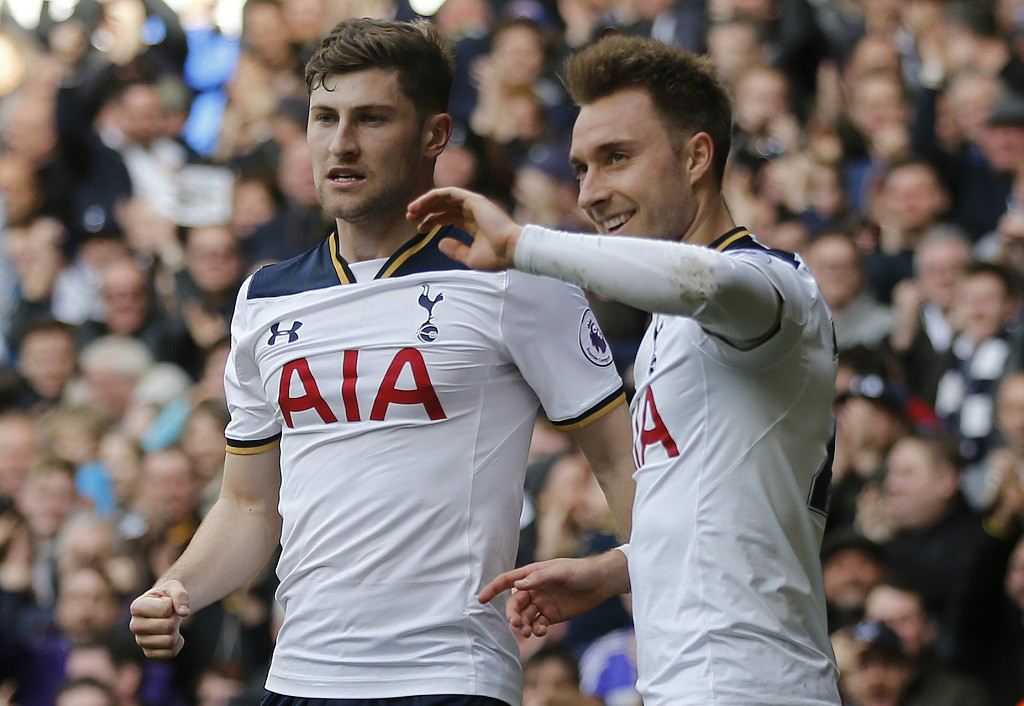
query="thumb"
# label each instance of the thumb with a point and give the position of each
(179, 598)
(454, 249)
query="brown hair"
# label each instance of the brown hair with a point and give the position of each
(685, 88)
(416, 50)
(1006, 275)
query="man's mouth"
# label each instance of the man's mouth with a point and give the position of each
(345, 175)
(613, 224)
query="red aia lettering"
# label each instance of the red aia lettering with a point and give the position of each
(422, 394)
(312, 399)
(387, 394)
(348, 386)
(658, 433)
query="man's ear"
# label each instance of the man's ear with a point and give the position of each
(700, 152)
(436, 131)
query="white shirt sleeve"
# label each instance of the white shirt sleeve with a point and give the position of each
(253, 426)
(726, 296)
(554, 339)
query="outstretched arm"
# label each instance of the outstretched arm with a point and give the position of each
(237, 538)
(550, 592)
(727, 297)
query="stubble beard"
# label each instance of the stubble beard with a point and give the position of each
(382, 204)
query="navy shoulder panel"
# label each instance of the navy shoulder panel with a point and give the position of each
(312, 269)
(429, 257)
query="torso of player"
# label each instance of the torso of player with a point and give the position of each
(405, 408)
(732, 450)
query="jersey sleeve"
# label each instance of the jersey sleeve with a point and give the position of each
(554, 339)
(804, 314)
(253, 426)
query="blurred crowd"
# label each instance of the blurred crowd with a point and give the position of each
(150, 161)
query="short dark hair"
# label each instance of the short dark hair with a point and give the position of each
(685, 88)
(1006, 275)
(417, 50)
(121, 649)
(943, 448)
(46, 325)
(558, 653)
(915, 161)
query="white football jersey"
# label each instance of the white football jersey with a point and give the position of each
(734, 461)
(404, 407)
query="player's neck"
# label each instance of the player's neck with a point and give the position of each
(373, 240)
(711, 222)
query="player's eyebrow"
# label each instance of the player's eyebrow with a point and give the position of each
(602, 149)
(363, 108)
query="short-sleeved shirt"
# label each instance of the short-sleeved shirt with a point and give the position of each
(404, 405)
(733, 456)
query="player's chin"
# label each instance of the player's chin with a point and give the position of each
(348, 211)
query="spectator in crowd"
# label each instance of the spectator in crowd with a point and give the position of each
(207, 285)
(871, 416)
(986, 305)
(29, 133)
(923, 330)
(552, 676)
(72, 434)
(734, 45)
(46, 362)
(87, 540)
(220, 683)
(86, 691)
(45, 284)
(514, 94)
(100, 178)
(265, 33)
(852, 566)
(47, 501)
(902, 609)
(299, 223)
(138, 132)
(937, 539)
(203, 441)
(1003, 492)
(838, 265)
(168, 496)
(256, 199)
(19, 445)
(159, 407)
(911, 203)
(112, 367)
(86, 609)
(880, 670)
(765, 125)
(128, 309)
(114, 661)
(879, 111)
(828, 206)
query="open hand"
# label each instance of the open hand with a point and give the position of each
(494, 233)
(554, 591)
